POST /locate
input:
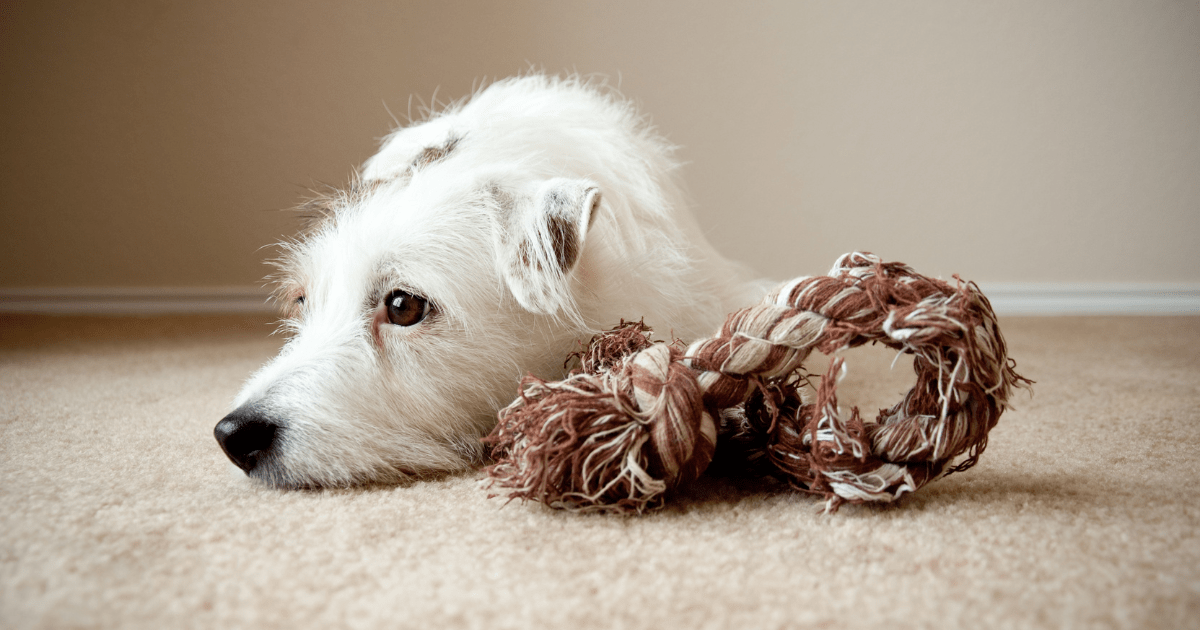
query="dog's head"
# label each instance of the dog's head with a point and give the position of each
(449, 270)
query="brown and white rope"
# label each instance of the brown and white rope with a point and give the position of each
(640, 418)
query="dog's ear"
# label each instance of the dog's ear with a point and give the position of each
(541, 239)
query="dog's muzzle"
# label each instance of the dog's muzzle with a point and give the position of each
(246, 436)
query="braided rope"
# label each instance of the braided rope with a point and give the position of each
(640, 418)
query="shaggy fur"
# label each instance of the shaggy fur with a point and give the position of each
(530, 216)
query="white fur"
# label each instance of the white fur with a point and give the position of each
(356, 404)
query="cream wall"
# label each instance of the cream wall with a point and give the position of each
(151, 144)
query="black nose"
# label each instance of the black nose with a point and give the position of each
(246, 435)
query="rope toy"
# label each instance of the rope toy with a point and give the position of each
(640, 417)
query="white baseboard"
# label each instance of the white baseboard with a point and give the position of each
(135, 300)
(1093, 298)
(1006, 298)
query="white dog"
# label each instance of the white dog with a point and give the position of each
(475, 247)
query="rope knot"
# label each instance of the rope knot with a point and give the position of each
(616, 436)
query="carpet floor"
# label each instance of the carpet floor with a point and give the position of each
(117, 508)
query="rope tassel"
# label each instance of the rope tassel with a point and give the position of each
(641, 417)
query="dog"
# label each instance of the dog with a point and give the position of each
(478, 245)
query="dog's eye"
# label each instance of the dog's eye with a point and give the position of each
(406, 309)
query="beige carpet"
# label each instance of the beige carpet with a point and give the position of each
(117, 509)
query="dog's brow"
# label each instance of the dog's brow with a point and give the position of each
(384, 281)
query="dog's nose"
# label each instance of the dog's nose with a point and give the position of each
(246, 435)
